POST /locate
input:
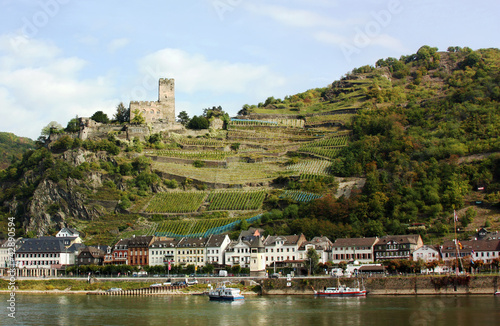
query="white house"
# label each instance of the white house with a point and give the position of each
(238, 253)
(283, 248)
(427, 254)
(163, 251)
(191, 251)
(215, 248)
(69, 233)
(322, 245)
(43, 256)
(353, 249)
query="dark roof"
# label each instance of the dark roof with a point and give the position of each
(468, 246)
(410, 238)
(257, 243)
(192, 242)
(216, 240)
(358, 242)
(42, 245)
(171, 243)
(140, 241)
(289, 239)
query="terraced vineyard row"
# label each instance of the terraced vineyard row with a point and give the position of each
(176, 202)
(199, 228)
(190, 201)
(326, 147)
(236, 200)
(202, 155)
(317, 167)
(201, 142)
(345, 118)
(301, 196)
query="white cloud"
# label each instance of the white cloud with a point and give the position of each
(294, 17)
(38, 85)
(117, 44)
(195, 73)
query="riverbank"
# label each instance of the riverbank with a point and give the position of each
(401, 285)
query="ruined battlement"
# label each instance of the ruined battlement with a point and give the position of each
(162, 110)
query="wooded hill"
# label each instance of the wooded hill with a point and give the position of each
(392, 148)
(12, 148)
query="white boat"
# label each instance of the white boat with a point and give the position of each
(225, 294)
(342, 291)
(497, 293)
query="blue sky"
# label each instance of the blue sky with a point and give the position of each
(62, 58)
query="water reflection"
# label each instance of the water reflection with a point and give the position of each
(255, 310)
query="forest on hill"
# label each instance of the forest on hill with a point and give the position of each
(421, 132)
(12, 147)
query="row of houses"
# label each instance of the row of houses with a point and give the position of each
(47, 255)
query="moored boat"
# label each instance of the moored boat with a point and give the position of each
(497, 293)
(341, 291)
(225, 294)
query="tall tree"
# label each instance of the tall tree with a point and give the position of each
(52, 127)
(183, 118)
(122, 113)
(100, 116)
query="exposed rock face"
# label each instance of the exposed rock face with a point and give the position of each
(51, 203)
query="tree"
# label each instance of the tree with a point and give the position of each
(312, 260)
(73, 125)
(138, 118)
(122, 114)
(100, 116)
(52, 128)
(183, 118)
(198, 123)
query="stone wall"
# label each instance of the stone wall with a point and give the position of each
(410, 285)
(162, 110)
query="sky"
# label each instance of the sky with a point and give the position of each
(65, 58)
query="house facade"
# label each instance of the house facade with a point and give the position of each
(283, 249)
(42, 256)
(238, 253)
(138, 250)
(354, 249)
(215, 248)
(191, 251)
(427, 254)
(163, 252)
(397, 246)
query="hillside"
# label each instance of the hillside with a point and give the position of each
(12, 147)
(391, 148)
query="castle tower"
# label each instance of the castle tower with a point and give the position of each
(163, 110)
(257, 258)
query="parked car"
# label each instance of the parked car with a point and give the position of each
(179, 283)
(191, 282)
(275, 275)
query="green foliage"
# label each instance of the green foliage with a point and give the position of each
(122, 114)
(100, 116)
(198, 123)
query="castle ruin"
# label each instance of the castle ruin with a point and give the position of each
(162, 110)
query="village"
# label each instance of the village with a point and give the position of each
(254, 254)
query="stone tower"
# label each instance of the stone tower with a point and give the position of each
(257, 261)
(162, 111)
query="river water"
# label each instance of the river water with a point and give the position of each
(255, 310)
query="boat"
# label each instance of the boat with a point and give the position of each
(497, 293)
(341, 291)
(225, 294)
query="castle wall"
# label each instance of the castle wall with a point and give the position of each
(162, 110)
